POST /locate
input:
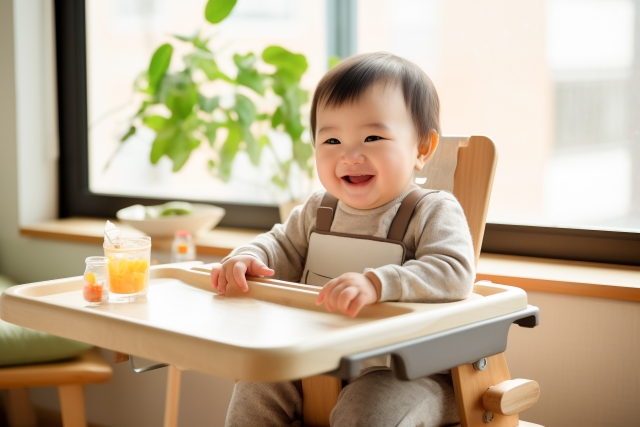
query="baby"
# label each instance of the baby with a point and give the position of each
(374, 119)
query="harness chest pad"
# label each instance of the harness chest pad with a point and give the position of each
(332, 254)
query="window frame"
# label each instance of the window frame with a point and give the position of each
(76, 199)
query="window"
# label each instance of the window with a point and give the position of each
(107, 44)
(552, 82)
(122, 35)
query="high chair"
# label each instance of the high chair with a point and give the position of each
(484, 390)
(184, 323)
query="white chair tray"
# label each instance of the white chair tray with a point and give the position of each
(273, 332)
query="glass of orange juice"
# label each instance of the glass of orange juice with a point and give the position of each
(129, 267)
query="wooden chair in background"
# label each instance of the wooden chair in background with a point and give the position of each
(69, 376)
(482, 395)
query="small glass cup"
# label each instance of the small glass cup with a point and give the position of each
(129, 267)
(96, 280)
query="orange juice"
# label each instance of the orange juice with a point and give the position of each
(129, 266)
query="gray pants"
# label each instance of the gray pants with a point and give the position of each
(374, 399)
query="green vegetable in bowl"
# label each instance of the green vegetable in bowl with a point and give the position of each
(176, 209)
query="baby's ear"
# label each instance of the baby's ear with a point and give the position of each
(426, 148)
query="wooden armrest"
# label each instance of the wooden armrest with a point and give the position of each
(88, 367)
(511, 397)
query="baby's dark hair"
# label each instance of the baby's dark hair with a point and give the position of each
(352, 77)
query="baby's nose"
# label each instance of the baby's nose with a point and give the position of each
(353, 155)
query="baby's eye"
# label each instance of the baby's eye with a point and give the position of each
(372, 138)
(332, 141)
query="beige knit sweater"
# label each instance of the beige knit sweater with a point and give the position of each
(438, 263)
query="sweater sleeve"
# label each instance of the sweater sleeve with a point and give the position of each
(284, 247)
(443, 269)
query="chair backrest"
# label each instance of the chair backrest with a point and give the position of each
(473, 169)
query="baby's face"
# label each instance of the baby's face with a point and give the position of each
(366, 151)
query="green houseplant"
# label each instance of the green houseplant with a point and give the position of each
(188, 118)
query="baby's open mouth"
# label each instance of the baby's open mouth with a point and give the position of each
(357, 179)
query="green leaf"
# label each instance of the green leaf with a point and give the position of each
(301, 96)
(202, 44)
(142, 108)
(161, 143)
(277, 180)
(205, 62)
(293, 64)
(158, 149)
(212, 132)
(130, 132)
(333, 60)
(245, 109)
(217, 10)
(254, 149)
(182, 96)
(187, 38)
(302, 152)
(281, 179)
(294, 128)
(209, 67)
(247, 74)
(159, 65)
(251, 79)
(246, 62)
(277, 118)
(191, 123)
(155, 122)
(208, 104)
(180, 149)
(263, 141)
(289, 114)
(229, 150)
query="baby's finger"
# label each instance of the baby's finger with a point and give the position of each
(239, 270)
(356, 305)
(347, 295)
(332, 298)
(257, 268)
(326, 290)
(222, 283)
(215, 272)
(321, 295)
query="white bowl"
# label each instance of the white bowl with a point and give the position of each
(202, 219)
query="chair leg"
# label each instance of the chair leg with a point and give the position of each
(319, 396)
(172, 398)
(72, 405)
(18, 408)
(470, 385)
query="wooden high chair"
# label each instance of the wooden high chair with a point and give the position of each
(184, 323)
(484, 390)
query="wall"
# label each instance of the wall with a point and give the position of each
(585, 357)
(584, 354)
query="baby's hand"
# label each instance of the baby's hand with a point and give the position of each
(349, 293)
(233, 270)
